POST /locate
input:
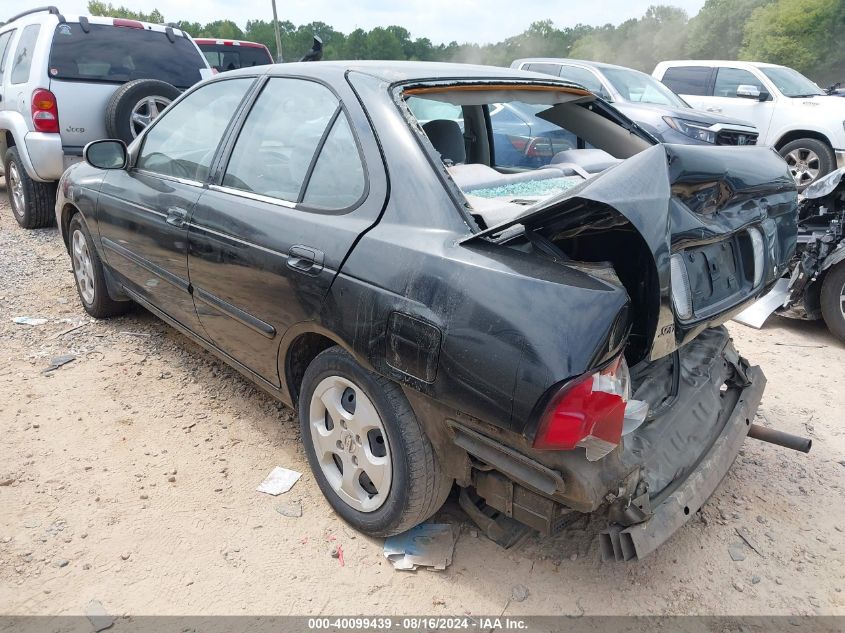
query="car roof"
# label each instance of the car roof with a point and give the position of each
(225, 42)
(716, 62)
(567, 60)
(401, 71)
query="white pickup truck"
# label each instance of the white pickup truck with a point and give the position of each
(791, 113)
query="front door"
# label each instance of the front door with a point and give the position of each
(726, 102)
(267, 239)
(143, 211)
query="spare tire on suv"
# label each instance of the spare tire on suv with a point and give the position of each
(135, 105)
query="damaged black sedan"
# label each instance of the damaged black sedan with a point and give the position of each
(352, 238)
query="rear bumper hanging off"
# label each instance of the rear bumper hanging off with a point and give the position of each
(636, 541)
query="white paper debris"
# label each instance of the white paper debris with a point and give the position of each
(278, 481)
(25, 320)
(429, 545)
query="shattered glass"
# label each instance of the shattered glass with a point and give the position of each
(529, 189)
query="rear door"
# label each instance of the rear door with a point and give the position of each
(143, 212)
(303, 180)
(692, 83)
(87, 66)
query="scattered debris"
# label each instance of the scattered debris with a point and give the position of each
(7, 482)
(738, 586)
(278, 481)
(25, 320)
(428, 545)
(61, 562)
(292, 509)
(97, 616)
(59, 361)
(755, 580)
(519, 593)
(337, 552)
(737, 552)
(143, 334)
(125, 555)
(745, 536)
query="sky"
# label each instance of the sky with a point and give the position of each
(479, 21)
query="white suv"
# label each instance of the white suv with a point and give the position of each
(65, 81)
(791, 113)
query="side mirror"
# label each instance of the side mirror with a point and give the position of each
(747, 91)
(106, 154)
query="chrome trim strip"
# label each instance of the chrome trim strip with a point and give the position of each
(253, 196)
(183, 181)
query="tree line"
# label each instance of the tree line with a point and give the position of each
(804, 34)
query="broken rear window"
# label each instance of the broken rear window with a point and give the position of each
(509, 146)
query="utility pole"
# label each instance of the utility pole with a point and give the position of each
(278, 34)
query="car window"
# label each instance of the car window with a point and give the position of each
(22, 61)
(547, 69)
(687, 80)
(223, 58)
(280, 137)
(790, 82)
(120, 54)
(425, 110)
(337, 181)
(524, 140)
(4, 49)
(583, 77)
(638, 87)
(729, 79)
(182, 141)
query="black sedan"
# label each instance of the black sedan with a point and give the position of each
(549, 339)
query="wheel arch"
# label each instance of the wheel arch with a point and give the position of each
(68, 211)
(303, 342)
(794, 135)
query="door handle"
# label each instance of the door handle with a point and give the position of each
(176, 216)
(714, 109)
(305, 259)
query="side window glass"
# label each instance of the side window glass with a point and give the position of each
(279, 138)
(687, 80)
(585, 78)
(183, 141)
(729, 79)
(337, 181)
(546, 69)
(4, 49)
(522, 139)
(22, 61)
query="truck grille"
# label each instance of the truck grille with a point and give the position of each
(730, 137)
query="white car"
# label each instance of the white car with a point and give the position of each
(69, 80)
(791, 113)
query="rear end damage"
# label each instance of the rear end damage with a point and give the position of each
(693, 237)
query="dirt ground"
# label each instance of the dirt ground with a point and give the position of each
(129, 475)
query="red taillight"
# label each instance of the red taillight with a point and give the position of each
(131, 24)
(590, 412)
(45, 112)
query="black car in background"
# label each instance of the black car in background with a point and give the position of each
(550, 339)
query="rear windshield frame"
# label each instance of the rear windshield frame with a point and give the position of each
(146, 49)
(240, 50)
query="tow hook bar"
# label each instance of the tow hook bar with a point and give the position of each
(787, 440)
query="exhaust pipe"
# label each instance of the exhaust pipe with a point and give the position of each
(787, 440)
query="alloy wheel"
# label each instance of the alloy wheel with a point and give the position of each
(83, 267)
(145, 112)
(350, 443)
(15, 184)
(804, 165)
(842, 301)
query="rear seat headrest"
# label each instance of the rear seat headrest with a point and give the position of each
(447, 138)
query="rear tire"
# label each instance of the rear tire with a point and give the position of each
(809, 159)
(135, 105)
(89, 274)
(33, 203)
(416, 485)
(833, 300)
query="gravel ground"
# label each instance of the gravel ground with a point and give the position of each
(128, 476)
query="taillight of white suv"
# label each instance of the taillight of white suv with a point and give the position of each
(45, 111)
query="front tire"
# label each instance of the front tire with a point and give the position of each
(372, 460)
(833, 300)
(808, 159)
(89, 274)
(33, 203)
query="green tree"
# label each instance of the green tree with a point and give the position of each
(383, 44)
(95, 7)
(718, 30)
(804, 34)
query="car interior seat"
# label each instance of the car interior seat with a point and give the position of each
(448, 139)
